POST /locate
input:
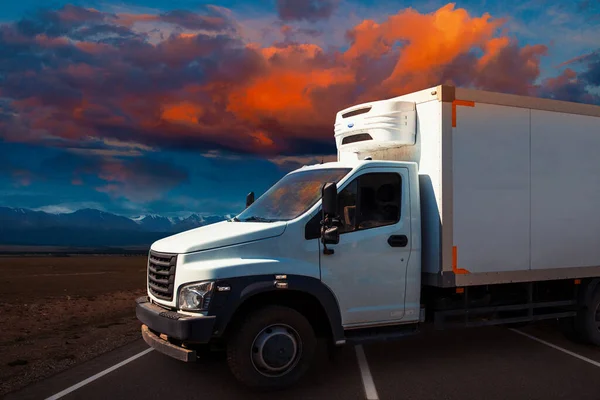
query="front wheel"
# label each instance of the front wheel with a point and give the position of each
(271, 348)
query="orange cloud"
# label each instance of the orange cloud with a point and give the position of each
(182, 113)
(492, 50)
(262, 138)
(285, 91)
(427, 41)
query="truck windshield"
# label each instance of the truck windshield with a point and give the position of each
(291, 196)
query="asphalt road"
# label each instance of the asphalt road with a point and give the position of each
(487, 363)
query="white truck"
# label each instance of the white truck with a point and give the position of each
(447, 207)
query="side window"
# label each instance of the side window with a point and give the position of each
(371, 200)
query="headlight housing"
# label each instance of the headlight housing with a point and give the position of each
(196, 296)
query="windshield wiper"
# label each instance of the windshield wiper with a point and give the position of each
(258, 219)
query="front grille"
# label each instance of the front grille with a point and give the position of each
(161, 274)
(356, 138)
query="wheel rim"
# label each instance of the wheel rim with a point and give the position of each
(276, 350)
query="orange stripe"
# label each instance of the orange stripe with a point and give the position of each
(455, 269)
(455, 103)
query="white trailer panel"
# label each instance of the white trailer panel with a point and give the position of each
(565, 191)
(490, 147)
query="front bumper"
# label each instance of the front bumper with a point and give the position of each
(162, 346)
(174, 325)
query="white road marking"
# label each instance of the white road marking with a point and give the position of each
(595, 363)
(367, 379)
(98, 375)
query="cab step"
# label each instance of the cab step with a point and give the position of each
(380, 333)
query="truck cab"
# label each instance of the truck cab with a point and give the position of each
(273, 278)
(328, 251)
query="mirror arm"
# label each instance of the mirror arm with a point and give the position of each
(324, 224)
(327, 223)
(329, 210)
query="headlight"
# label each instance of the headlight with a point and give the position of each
(196, 297)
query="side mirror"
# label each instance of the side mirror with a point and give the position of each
(329, 194)
(249, 199)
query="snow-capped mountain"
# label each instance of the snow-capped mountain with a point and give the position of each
(176, 224)
(155, 223)
(90, 227)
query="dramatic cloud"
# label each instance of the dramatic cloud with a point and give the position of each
(421, 43)
(90, 80)
(490, 71)
(309, 10)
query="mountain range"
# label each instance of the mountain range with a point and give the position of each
(91, 228)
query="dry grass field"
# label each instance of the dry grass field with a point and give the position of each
(58, 311)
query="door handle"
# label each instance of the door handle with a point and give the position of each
(398, 240)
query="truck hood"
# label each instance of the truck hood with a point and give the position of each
(217, 235)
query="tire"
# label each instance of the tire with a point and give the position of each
(589, 320)
(271, 329)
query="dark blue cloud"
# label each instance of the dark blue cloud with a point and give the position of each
(575, 86)
(211, 18)
(309, 10)
(592, 72)
(61, 22)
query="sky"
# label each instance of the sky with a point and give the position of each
(142, 107)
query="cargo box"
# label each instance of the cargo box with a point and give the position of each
(510, 185)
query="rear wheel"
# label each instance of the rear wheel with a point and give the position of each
(271, 348)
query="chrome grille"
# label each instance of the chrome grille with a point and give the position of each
(161, 274)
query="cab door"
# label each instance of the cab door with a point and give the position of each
(367, 271)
